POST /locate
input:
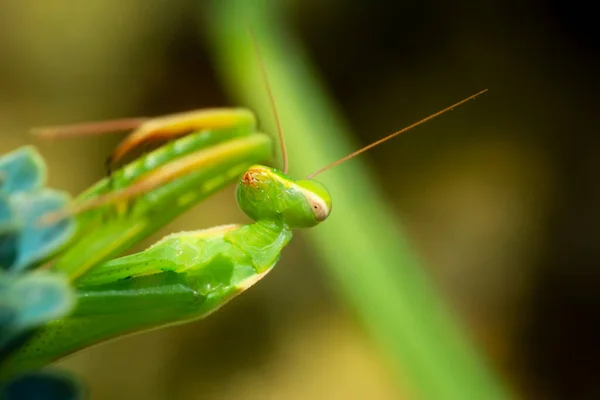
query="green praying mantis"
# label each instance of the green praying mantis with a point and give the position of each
(188, 275)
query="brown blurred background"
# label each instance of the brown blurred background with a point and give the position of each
(499, 201)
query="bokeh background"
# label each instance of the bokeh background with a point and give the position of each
(499, 199)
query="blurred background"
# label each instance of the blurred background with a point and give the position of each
(499, 199)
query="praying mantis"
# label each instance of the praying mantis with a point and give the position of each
(185, 276)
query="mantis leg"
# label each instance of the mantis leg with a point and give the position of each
(177, 125)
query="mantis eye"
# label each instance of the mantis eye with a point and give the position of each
(317, 198)
(319, 209)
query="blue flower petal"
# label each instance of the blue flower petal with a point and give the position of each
(22, 170)
(38, 241)
(29, 300)
(39, 297)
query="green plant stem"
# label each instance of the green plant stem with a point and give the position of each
(364, 251)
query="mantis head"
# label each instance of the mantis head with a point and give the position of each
(265, 193)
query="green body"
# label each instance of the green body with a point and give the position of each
(184, 276)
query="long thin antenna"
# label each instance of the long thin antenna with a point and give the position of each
(357, 152)
(265, 78)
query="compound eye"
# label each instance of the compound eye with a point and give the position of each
(319, 209)
(317, 198)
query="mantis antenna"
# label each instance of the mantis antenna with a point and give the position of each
(265, 79)
(388, 137)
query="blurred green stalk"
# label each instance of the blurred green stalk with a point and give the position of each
(367, 256)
